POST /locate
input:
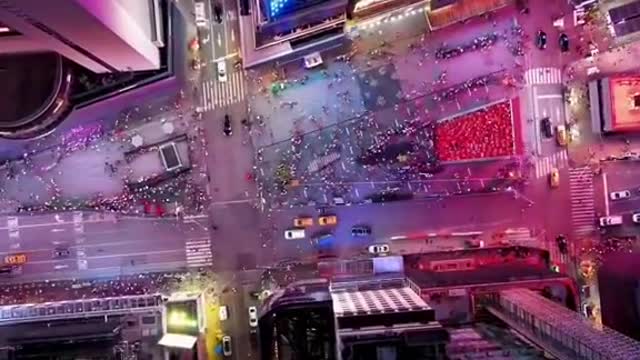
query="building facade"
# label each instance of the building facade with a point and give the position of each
(102, 36)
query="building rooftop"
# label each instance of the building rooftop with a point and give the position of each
(482, 275)
(28, 83)
(625, 103)
(363, 302)
(607, 343)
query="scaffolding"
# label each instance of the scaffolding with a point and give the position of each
(554, 324)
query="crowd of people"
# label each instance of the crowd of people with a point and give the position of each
(451, 93)
(45, 167)
(479, 43)
(486, 133)
(598, 251)
(143, 284)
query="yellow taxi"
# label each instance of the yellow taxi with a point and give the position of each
(562, 136)
(328, 220)
(303, 221)
(554, 178)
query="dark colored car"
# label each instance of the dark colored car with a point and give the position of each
(564, 42)
(390, 196)
(227, 126)
(61, 253)
(360, 230)
(541, 40)
(217, 13)
(546, 127)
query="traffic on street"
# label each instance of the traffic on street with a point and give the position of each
(409, 135)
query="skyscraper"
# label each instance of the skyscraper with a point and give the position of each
(102, 36)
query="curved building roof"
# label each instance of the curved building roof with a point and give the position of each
(33, 95)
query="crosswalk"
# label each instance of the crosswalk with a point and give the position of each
(216, 94)
(583, 211)
(545, 164)
(543, 75)
(198, 252)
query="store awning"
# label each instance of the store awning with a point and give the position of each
(178, 341)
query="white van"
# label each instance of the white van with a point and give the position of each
(610, 220)
(223, 313)
(293, 234)
(201, 15)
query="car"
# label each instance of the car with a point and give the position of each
(61, 253)
(226, 127)
(606, 221)
(619, 195)
(546, 128)
(253, 316)
(474, 244)
(222, 70)
(360, 230)
(293, 234)
(223, 313)
(378, 249)
(554, 178)
(563, 40)
(7, 269)
(541, 40)
(562, 137)
(303, 221)
(226, 345)
(636, 218)
(327, 220)
(200, 15)
(217, 12)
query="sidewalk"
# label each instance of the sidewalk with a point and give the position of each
(87, 163)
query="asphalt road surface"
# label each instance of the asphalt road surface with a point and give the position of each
(102, 245)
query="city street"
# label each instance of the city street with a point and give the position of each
(415, 133)
(102, 245)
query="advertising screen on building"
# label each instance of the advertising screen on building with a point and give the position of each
(279, 8)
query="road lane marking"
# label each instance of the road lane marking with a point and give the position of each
(536, 122)
(581, 193)
(27, 226)
(550, 96)
(226, 57)
(129, 254)
(606, 194)
(230, 202)
(211, 32)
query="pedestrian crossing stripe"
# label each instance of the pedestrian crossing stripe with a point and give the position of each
(545, 75)
(583, 211)
(198, 253)
(216, 94)
(558, 160)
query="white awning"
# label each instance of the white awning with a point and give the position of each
(178, 341)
